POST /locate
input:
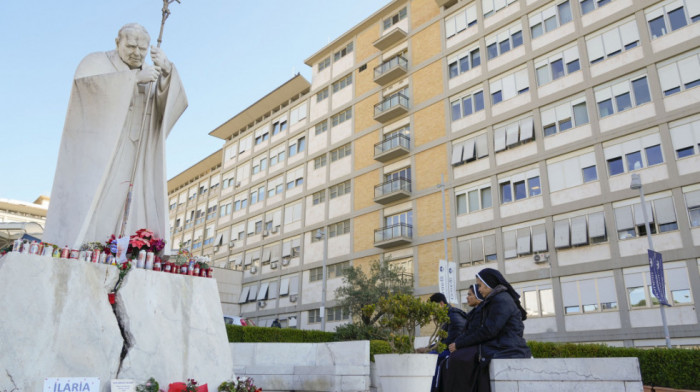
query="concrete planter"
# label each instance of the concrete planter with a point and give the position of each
(405, 372)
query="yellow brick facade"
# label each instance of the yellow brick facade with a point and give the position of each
(364, 228)
(422, 11)
(364, 150)
(364, 186)
(429, 123)
(364, 81)
(430, 164)
(425, 44)
(429, 214)
(427, 82)
(365, 39)
(363, 113)
(429, 256)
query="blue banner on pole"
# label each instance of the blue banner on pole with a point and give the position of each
(656, 270)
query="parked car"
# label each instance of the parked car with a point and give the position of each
(238, 320)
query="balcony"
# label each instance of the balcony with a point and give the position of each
(392, 190)
(392, 147)
(391, 107)
(390, 39)
(390, 70)
(445, 3)
(394, 235)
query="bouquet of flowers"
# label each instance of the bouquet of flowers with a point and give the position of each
(144, 239)
(240, 385)
(149, 386)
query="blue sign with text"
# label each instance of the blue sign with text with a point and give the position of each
(656, 270)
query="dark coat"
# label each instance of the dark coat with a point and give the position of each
(474, 319)
(500, 332)
(458, 319)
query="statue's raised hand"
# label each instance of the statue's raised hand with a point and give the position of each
(149, 73)
(161, 60)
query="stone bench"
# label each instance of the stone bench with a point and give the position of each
(337, 366)
(566, 375)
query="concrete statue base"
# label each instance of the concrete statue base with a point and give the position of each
(58, 323)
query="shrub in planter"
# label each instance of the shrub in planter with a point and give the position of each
(402, 314)
(378, 347)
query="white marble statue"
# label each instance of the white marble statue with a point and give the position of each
(100, 140)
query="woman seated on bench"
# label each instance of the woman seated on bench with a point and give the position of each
(499, 335)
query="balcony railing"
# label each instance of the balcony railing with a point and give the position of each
(392, 190)
(392, 147)
(391, 107)
(390, 70)
(394, 235)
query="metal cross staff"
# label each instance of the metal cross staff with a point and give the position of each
(127, 206)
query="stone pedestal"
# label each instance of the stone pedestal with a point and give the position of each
(57, 322)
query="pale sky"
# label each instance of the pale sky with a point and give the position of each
(229, 54)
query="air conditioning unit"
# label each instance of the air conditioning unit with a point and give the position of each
(232, 243)
(262, 304)
(285, 261)
(275, 229)
(253, 270)
(216, 248)
(273, 265)
(540, 258)
(292, 298)
(238, 184)
(265, 233)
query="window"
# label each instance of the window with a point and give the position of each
(557, 65)
(394, 19)
(622, 95)
(580, 230)
(339, 228)
(464, 61)
(571, 172)
(295, 177)
(338, 313)
(492, 6)
(321, 95)
(277, 155)
(680, 73)
(279, 127)
(341, 117)
(320, 161)
(297, 114)
(341, 152)
(468, 150)
(261, 135)
(325, 63)
(342, 83)
(297, 146)
(524, 241)
(590, 5)
(550, 18)
(473, 199)
(633, 154)
(537, 299)
(340, 189)
(564, 116)
(671, 16)
(343, 52)
(504, 40)
(321, 127)
(319, 197)
(314, 316)
(661, 216)
(315, 274)
(477, 250)
(513, 134)
(520, 186)
(686, 137)
(467, 104)
(337, 270)
(460, 21)
(259, 164)
(613, 41)
(639, 288)
(292, 213)
(509, 86)
(692, 203)
(588, 294)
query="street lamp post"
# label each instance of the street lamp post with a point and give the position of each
(636, 183)
(322, 234)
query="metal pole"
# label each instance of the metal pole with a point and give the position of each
(651, 247)
(323, 292)
(444, 214)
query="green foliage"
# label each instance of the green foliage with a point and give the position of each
(347, 332)
(378, 347)
(671, 368)
(401, 314)
(244, 384)
(238, 334)
(149, 386)
(360, 289)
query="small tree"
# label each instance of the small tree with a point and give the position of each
(359, 289)
(402, 314)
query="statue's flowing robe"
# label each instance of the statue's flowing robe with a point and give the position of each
(98, 152)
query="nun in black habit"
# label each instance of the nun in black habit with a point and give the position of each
(499, 335)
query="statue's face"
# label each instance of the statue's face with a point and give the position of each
(132, 47)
